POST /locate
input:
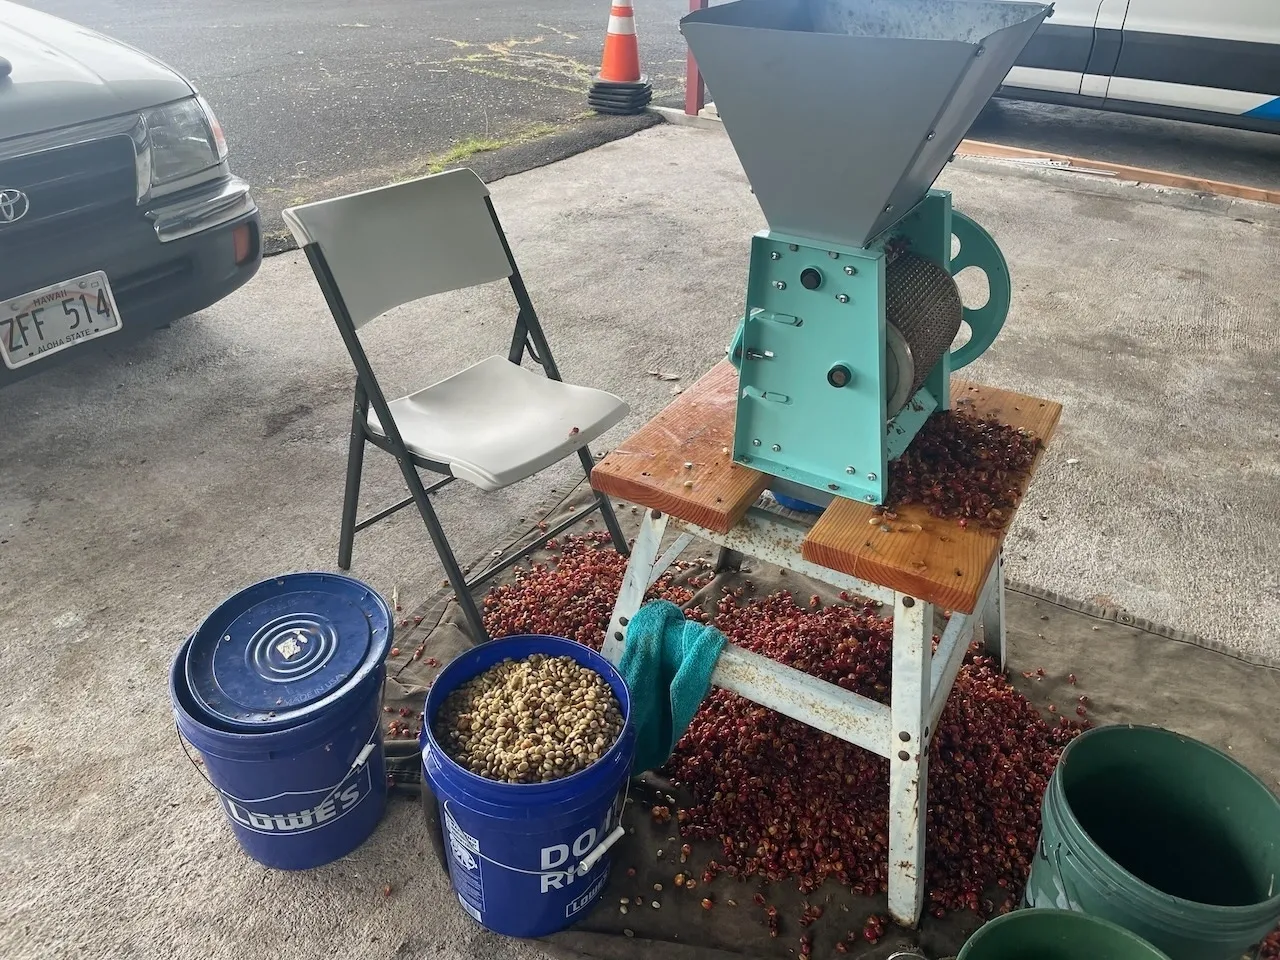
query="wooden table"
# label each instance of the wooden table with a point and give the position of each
(679, 466)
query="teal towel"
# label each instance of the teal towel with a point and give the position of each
(667, 663)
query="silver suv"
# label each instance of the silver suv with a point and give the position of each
(118, 211)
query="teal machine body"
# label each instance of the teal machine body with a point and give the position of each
(843, 113)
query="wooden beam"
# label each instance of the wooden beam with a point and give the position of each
(649, 468)
(695, 91)
(997, 151)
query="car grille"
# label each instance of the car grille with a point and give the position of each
(70, 187)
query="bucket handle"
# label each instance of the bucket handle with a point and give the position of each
(1062, 880)
(361, 758)
(586, 864)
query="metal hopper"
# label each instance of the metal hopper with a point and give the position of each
(844, 112)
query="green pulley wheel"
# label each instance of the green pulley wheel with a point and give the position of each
(977, 249)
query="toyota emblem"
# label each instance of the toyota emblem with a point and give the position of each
(13, 205)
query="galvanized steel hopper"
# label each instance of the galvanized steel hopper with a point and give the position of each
(843, 113)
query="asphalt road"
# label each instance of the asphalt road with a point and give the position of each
(323, 96)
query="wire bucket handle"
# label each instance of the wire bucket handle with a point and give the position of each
(361, 759)
(585, 865)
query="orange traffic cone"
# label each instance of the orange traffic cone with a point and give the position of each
(619, 87)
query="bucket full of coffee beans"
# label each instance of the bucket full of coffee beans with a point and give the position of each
(527, 744)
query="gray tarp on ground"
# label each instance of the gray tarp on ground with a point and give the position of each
(1132, 671)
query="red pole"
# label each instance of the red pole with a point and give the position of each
(695, 91)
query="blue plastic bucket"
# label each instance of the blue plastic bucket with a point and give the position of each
(791, 503)
(527, 860)
(280, 691)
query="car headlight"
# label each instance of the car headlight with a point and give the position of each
(185, 139)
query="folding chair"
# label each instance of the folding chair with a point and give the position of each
(492, 424)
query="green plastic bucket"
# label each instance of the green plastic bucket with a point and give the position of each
(1166, 837)
(1055, 935)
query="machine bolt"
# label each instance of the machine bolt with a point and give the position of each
(780, 284)
(870, 498)
(793, 247)
(755, 443)
(888, 207)
(777, 448)
(851, 271)
(871, 477)
(842, 297)
(980, 51)
(930, 135)
(775, 255)
(833, 486)
(833, 254)
(850, 471)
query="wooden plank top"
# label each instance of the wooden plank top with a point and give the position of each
(696, 428)
(940, 563)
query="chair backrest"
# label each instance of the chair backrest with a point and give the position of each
(400, 243)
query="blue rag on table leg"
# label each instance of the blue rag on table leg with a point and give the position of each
(667, 664)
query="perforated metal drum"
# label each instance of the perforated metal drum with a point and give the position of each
(923, 313)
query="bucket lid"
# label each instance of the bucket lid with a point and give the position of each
(286, 649)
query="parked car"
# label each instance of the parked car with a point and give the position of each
(118, 210)
(1210, 61)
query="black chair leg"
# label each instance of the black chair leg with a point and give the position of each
(606, 507)
(355, 466)
(457, 579)
(728, 561)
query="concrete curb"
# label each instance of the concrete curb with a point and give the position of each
(576, 137)
(682, 119)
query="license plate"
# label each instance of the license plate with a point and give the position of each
(42, 322)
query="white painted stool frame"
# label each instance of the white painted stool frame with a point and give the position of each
(921, 680)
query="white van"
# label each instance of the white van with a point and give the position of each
(1209, 61)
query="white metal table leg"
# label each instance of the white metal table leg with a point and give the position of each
(993, 613)
(909, 756)
(667, 559)
(642, 570)
(920, 685)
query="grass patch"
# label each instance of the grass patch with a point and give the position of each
(465, 149)
(277, 240)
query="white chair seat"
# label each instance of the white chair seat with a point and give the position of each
(496, 423)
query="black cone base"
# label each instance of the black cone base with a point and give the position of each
(607, 96)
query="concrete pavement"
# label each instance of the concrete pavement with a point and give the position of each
(140, 491)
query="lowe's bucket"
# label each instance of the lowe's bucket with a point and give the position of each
(1055, 935)
(527, 860)
(280, 691)
(1166, 837)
